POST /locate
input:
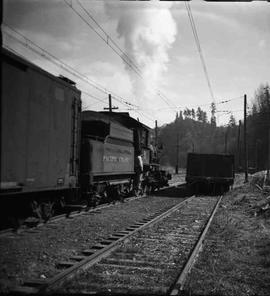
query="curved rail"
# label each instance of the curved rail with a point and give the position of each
(74, 213)
(179, 283)
(93, 255)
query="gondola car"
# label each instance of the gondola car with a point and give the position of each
(210, 173)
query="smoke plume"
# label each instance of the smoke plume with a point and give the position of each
(148, 34)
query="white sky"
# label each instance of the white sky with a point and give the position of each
(234, 37)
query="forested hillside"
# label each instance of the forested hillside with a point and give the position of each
(192, 131)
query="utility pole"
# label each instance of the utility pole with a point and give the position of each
(156, 139)
(226, 139)
(110, 105)
(245, 138)
(239, 145)
(1, 21)
(177, 153)
(257, 155)
(268, 166)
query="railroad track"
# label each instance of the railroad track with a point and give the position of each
(60, 217)
(152, 256)
(74, 213)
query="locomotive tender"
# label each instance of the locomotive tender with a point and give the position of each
(51, 152)
(110, 144)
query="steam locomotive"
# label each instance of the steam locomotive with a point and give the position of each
(54, 155)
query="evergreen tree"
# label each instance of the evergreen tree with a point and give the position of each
(232, 121)
(193, 115)
(181, 115)
(206, 137)
(199, 114)
(204, 117)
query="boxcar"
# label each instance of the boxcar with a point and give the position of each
(40, 128)
(211, 171)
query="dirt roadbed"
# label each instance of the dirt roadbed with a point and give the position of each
(35, 255)
(236, 256)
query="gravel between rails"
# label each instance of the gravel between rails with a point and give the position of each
(35, 254)
(149, 261)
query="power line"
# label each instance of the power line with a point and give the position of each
(45, 54)
(53, 59)
(107, 40)
(108, 36)
(94, 97)
(197, 41)
(229, 111)
(207, 104)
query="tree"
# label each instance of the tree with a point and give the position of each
(258, 127)
(204, 117)
(181, 115)
(187, 113)
(232, 121)
(176, 117)
(199, 114)
(193, 115)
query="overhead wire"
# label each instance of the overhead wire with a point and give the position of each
(197, 41)
(107, 35)
(202, 105)
(94, 97)
(45, 54)
(130, 61)
(104, 39)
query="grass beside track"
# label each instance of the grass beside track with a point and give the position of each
(236, 256)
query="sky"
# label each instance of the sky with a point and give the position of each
(88, 41)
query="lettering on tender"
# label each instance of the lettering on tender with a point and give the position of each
(111, 158)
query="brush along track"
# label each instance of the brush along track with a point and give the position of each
(146, 258)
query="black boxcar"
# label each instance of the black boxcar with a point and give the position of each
(211, 171)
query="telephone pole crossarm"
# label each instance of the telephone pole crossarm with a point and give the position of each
(110, 105)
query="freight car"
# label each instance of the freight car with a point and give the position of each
(210, 173)
(52, 154)
(40, 136)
